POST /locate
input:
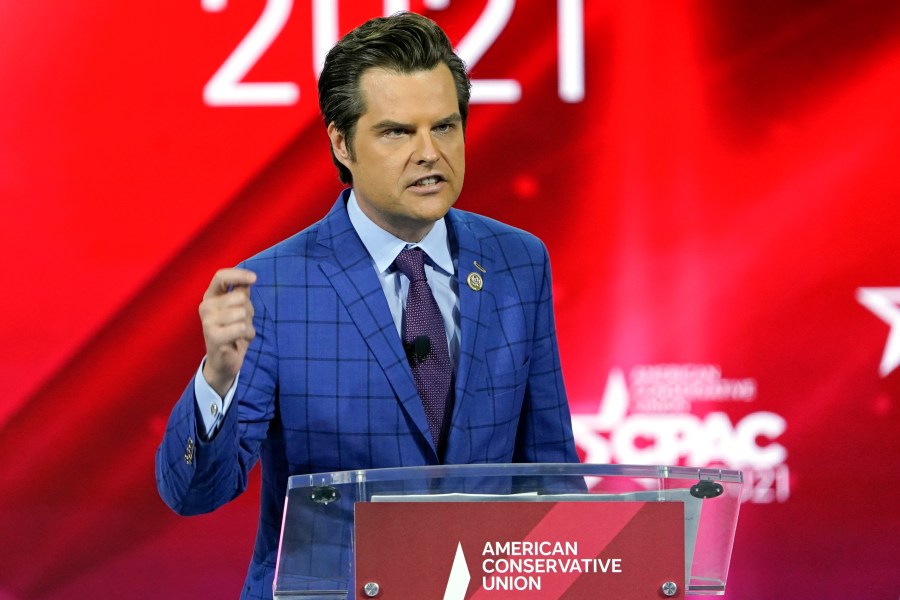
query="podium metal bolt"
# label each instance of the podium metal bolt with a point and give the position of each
(371, 589)
(669, 588)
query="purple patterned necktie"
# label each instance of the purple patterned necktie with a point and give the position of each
(425, 341)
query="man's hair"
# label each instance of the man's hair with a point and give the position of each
(405, 43)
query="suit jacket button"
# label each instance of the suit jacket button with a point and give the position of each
(189, 451)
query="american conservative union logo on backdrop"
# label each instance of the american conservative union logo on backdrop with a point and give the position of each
(652, 415)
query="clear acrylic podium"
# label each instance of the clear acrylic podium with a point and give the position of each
(316, 550)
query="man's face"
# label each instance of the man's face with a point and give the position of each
(408, 153)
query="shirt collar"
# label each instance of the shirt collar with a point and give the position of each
(384, 247)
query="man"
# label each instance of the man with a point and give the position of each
(330, 351)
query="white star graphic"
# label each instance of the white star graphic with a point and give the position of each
(885, 303)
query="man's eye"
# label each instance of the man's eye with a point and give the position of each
(395, 132)
(444, 128)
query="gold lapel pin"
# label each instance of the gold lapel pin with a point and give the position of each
(476, 281)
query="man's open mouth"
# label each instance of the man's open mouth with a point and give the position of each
(426, 181)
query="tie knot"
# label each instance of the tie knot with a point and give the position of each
(411, 262)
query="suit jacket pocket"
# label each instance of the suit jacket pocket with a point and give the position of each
(493, 414)
(508, 384)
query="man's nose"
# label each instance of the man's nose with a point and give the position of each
(425, 149)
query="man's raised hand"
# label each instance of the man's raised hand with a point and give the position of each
(226, 314)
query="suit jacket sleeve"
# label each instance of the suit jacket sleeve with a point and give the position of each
(195, 475)
(545, 429)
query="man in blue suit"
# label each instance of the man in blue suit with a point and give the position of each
(306, 368)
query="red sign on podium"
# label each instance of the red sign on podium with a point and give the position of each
(520, 550)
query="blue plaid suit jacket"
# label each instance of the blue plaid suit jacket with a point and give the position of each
(326, 385)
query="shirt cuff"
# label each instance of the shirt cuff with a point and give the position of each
(211, 406)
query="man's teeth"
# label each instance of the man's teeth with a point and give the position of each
(427, 181)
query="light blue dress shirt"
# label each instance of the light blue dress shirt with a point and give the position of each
(383, 248)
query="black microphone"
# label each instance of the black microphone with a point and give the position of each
(418, 349)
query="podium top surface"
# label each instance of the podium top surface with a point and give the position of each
(726, 476)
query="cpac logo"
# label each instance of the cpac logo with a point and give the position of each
(646, 420)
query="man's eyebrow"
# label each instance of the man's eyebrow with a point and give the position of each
(388, 124)
(454, 118)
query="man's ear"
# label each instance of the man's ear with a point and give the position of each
(339, 145)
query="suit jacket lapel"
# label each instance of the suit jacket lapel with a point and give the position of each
(475, 311)
(348, 268)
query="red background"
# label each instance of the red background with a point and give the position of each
(725, 186)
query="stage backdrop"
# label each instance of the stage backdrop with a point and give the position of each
(717, 183)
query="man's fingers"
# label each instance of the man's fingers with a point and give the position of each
(232, 314)
(222, 310)
(237, 298)
(226, 319)
(226, 280)
(224, 337)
